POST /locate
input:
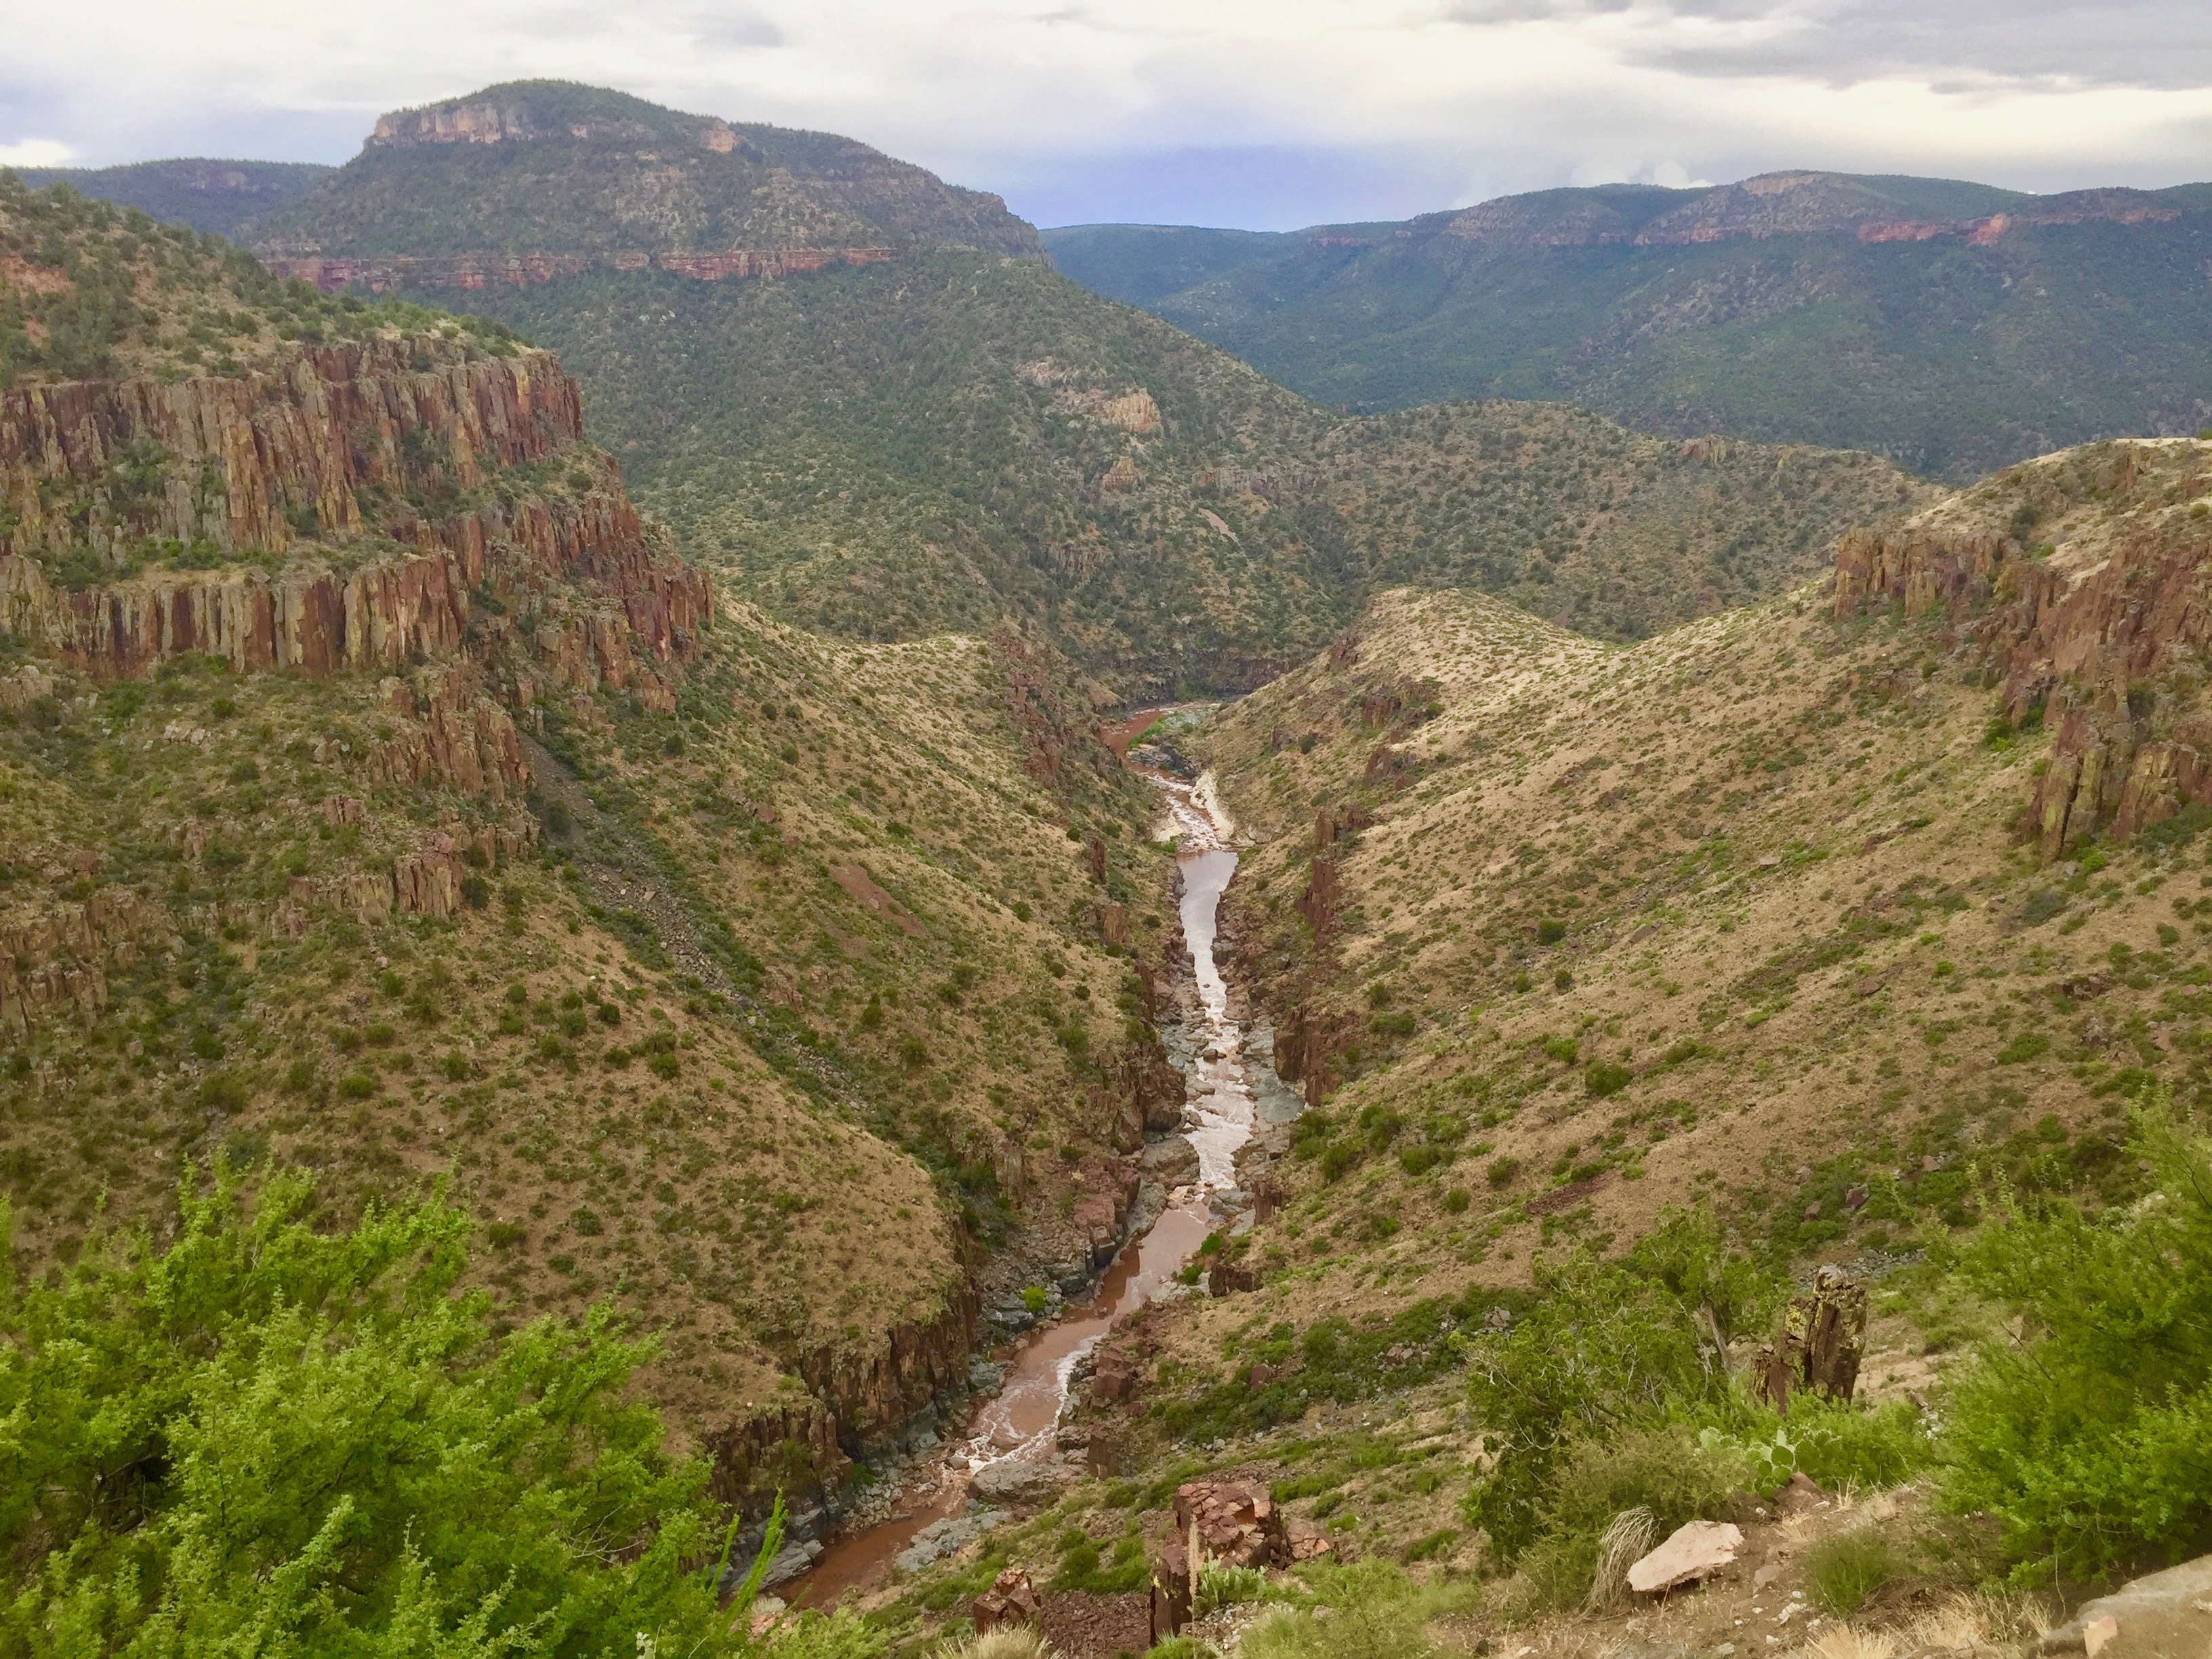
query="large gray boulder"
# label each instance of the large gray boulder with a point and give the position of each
(1017, 1480)
(2158, 1617)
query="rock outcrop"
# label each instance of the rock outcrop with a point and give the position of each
(51, 958)
(2088, 633)
(105, 473)
(871, 1388)
(1232, 1522)
(240, 462)
(1823, 1334)
(1009, 1601)
(361, 506)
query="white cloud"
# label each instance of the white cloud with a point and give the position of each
(1505, 94)
(35, 153)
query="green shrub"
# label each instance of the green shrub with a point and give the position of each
(1434, 1544)
(1375, 1609)
(1420, 1160)
(1502, 1171)
(1457, 1201)
(2027, 1045)
(1667, 1470)
(264, 1437)
(1847, 1568)
(2090, 1442)
(1082, 1568)
(1687, 1252)
(1606, 1077)
(1220, 1585)
(1831, 1443)
(1609, 1348)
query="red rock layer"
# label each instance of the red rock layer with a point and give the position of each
(475, 272)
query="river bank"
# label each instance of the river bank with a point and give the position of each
(1007, 1451)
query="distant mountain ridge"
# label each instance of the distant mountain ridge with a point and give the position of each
(929, 434)
(217, 196)
(1949, 325)
(537, 179)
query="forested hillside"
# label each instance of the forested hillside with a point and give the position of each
(219, 196)
(1951, 327)
(533, 168)
(838, 382)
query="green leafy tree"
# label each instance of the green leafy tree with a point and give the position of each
(265, 1439)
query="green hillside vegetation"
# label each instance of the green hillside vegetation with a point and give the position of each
(1629, 984)
(1139, 264)
(937, 443)
(91, 291)
(262, 1434)
(218, 197)
(550, 167)
(1947, 357)
(775, 993)
(958, 435)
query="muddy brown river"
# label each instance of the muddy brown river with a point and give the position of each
(1220, 1111)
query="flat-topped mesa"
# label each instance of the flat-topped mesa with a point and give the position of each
(1775, 205)
(2081, 576)
(533, 180)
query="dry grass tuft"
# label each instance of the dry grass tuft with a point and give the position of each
(1627, 1540)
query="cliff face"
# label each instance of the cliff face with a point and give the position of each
(2100, 628)
(355, 499)
(242, 461)
(364, 511)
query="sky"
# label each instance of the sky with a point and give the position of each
(1269, 114)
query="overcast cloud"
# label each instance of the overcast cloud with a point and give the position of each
(1268, 113)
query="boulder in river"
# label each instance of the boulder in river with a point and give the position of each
(947, 1537)
(1017, 1480)
(1172, 1162)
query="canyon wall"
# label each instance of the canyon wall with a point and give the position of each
(2105, 635)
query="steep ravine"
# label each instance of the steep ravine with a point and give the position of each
(1010, 1449)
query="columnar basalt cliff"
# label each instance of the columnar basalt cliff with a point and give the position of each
(354, 500)
(361, 508)
(2101, 628)
(242, 461)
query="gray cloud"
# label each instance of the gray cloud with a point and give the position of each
(2137, 43)
(739, 27)
(1265, 113)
